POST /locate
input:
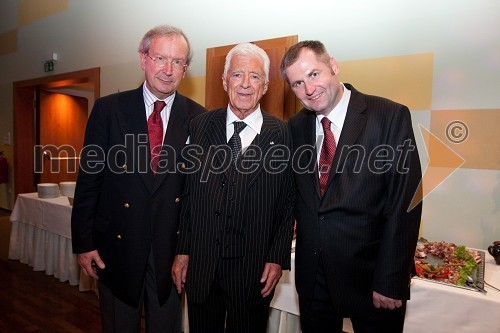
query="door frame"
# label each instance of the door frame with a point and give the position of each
(26, 102)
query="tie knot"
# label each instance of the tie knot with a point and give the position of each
(158, 106)
(239, 126)
(326, 123)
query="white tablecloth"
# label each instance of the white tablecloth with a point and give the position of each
(41, 237)
(441, 309)
(285, 296)
(433, 307)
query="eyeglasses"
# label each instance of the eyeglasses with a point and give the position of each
(161, 61)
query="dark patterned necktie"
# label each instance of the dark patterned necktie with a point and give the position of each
(235, 140)
(327, 152)
(155, 133)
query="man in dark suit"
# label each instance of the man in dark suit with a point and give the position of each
(236, 221)
(356, 235)
(127, 200)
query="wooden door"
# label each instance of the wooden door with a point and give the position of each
(279, 99)
(62, 121)
(27, 124)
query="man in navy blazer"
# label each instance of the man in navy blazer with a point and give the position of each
(125, 214)
(356, 233)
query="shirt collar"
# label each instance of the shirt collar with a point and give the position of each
(150, 98)
(253, 120)
(337, 115)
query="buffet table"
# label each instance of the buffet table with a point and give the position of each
(440, 308)
(41, 237)
(433, 307)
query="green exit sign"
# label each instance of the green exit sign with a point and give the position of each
(48, 66)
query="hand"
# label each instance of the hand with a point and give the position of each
(380, 301)
(271, 276)
(86, 260)
(179, 271)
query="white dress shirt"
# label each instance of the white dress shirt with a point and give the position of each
(254, 125)
(337, 117)
(150, 99)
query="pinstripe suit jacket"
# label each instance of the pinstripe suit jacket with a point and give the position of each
(361, 226)
(236, 213)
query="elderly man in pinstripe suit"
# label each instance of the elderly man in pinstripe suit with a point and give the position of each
(236, 221)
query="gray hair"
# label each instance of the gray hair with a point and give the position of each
(248, 49)
(164, 31)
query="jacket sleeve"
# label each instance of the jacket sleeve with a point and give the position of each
(395, 259)
(280, 251)
(90, 176)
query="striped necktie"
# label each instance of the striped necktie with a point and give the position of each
(235, 140)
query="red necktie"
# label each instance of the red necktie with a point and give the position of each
(327, 153)
(155, 133)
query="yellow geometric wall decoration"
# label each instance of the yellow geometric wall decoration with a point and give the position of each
(32, 10)
(473, 134)
(8, 42)
(194, 88)
(406, 79)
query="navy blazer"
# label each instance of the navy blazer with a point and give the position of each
(121, 208)
(361, 227)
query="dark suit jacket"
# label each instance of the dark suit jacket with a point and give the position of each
(361, 226)
(120, 207)
(235, 214)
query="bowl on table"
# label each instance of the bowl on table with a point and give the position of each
(67, 188)
(47, 190)
(494, 250)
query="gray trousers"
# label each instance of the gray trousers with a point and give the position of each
(118, 317)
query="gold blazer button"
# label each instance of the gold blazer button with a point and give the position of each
(177, 200)
(126, 205)
(119, 236)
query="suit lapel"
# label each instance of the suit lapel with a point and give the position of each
(216, 136)
(268, 137)
(353, 125)
(309, 131)
(217, 133)
(173, 142)
(132, 120)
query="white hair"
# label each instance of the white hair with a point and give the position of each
(248, 49)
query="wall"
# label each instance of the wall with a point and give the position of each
(441, 58)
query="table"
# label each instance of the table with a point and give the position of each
(439, 308)
(41, 237)
(433, 307)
